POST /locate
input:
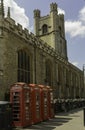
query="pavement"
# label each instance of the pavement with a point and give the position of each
(73, 120)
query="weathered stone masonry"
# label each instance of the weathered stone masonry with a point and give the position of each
(47, 52)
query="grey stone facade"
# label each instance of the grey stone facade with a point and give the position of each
(49, 64)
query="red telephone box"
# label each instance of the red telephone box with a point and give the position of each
(36, 103)
(20, 96)
(51, 102)
(44, 102)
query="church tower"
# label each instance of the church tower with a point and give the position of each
(51, 29)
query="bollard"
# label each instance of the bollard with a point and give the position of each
(84, 115)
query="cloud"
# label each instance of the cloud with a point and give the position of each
(17, 13)
(73, 28)
(76, 28)
(61, 11)
(82, 15)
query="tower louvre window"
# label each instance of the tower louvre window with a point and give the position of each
(60, 30)
(44, 29)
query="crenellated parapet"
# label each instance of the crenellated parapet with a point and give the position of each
(53, 7)
(24, 34)
(36, 13)
(40, 57)
(61, 16)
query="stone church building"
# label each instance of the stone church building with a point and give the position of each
(39, 58)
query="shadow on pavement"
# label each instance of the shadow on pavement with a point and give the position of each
(70, 112)
(59, 119)
(49, 124)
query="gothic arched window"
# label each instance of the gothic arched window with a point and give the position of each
(48, 79)
(23, 67)
(44, 29)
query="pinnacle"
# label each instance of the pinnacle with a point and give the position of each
(1, 9)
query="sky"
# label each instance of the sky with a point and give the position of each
(74, 14)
